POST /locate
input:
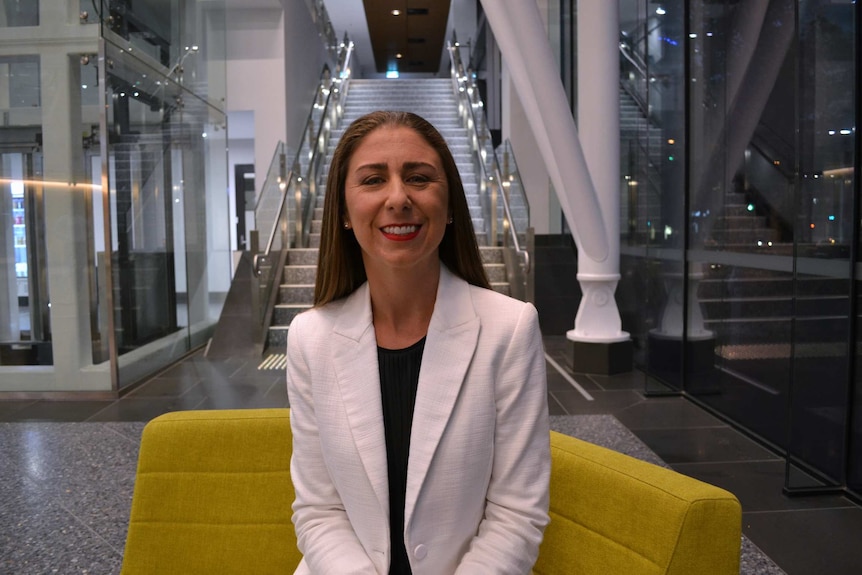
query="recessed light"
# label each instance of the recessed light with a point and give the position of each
(396, 12)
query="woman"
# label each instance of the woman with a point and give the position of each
(418, 395)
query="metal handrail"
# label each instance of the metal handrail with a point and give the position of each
(637, 62)
(507, 208)
(332, 111)
(290, 183)
(309, 182)
(466, 90)
(283, 185)
(290, 176)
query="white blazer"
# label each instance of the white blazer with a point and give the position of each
(479, 461)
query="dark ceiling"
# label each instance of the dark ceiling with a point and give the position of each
(407, 35)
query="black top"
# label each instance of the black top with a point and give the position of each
(399, 378)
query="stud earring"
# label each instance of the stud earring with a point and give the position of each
(346, 225)
(451, 219)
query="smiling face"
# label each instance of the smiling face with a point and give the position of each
(397, 201)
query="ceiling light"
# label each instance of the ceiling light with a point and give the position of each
(396, 12)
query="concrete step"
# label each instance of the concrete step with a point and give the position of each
(284, 313)
(296, 294)
(299, 274)
(302, 256)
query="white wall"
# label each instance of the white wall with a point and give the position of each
(275, 56)
(241, 138)
(256, 81)
(462, 19)
(305, 54)
(531, 165)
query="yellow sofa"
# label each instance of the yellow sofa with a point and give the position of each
(213, 494)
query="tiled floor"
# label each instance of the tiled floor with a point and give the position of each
(811, 535)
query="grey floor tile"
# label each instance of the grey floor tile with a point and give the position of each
(634, 380)
(555, 407)
(700, 445)
(164, 386)
(44, 410)
(145, 409)
(795, 539)
(603, 401)
(131, 429)
(558, 382)
(662, 413)
(758, 485)
(9, 407)
(38, 535)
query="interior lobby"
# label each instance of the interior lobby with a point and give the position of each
(151, 153)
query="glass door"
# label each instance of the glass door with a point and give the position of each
(24, 319)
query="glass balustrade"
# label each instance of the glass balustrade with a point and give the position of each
(113, 166)
(498, 187)
(289, 195)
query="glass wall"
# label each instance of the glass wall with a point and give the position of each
(24, 328)
(167, 179)
(740, 160)
(653, 155)
(113, 190)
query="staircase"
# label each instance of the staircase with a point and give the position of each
(639, 137)
(754, 313)
(434, 100)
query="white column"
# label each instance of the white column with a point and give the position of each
(523, 42)
(65, 220)
(598, 319)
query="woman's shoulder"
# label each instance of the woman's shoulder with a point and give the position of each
(317, 318)
(491, 304)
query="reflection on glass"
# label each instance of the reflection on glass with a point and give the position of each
(170, 259)
(743, 138)
(854, 471)
(180, 38)
(25, 332)
(652, 169)
(735, 255)
(823, 232)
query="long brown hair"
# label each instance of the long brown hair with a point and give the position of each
(339, 268)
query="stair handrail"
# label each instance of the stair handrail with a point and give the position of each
(508, 177)
(289, 182)
(469, 100)
(639, 67)
(332, 110)
(320, 15)
(280, 181)
(325, 88)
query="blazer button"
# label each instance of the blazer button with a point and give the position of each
(420, 552)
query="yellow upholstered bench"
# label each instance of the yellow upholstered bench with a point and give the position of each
(213, 495)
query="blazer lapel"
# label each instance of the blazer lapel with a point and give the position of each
(354, 359)
(449, 347)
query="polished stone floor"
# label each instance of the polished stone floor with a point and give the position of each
(67, 470)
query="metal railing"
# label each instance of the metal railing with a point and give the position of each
(286, 204)
(496, 186)
(272, 213)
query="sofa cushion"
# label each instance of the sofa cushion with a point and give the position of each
(611, 513)
(213, 495)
